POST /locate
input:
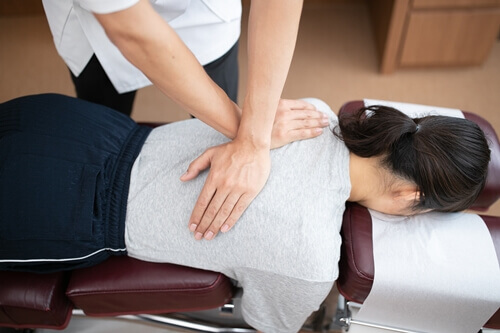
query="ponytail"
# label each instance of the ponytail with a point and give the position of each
(446, 157)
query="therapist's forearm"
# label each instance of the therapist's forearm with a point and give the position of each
(272, 34)
(151, 45)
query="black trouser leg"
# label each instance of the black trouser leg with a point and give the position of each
(224, 72)
(93, 85)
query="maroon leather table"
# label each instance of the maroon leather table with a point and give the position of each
(124, 285)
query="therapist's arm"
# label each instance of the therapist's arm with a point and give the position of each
(151, 45)
(154, 47)
(272, 33)
(239, 169)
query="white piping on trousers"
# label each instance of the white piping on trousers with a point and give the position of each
(63, 259)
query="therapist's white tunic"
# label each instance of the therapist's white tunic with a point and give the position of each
(209, 28)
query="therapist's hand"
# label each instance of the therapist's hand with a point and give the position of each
(296, 120)
(238, 172)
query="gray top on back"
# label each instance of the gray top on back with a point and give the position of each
(285, 248)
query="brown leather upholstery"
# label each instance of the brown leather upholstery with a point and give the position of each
(356, 259)
(123, 285)
(34, 300)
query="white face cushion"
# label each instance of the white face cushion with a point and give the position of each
(431, 271)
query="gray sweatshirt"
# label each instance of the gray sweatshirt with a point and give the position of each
(285, 248)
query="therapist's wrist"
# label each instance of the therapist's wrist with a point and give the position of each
(256, 125)
(255, 140)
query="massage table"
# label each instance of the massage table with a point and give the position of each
(204, 301)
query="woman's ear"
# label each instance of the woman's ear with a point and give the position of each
(410, 197)
(409, 193)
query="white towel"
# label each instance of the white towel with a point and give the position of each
(434, 272)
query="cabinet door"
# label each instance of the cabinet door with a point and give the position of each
(417, 4)
(449, 37)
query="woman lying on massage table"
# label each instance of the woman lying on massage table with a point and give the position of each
(78, 184)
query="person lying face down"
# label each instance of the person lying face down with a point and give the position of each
(79, 183)
(432, 163)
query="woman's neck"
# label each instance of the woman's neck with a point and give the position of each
(374, 187)
(365, 176)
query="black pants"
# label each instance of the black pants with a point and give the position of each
(94, 85)
(64, 179)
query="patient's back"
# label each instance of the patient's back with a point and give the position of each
(287, 239)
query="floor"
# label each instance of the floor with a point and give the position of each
(335, 60)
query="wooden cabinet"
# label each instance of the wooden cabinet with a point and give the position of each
(425, 33)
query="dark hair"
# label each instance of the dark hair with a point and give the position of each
(446, 157)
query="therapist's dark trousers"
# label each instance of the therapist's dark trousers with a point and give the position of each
(64, 179)
(94, 85)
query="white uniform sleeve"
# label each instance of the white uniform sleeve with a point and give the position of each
(106, 6)
(275, 303)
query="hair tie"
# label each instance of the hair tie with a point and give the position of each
(417, 129)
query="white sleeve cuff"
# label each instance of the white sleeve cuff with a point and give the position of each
(106, 6)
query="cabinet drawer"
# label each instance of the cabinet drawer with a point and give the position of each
(450, 38)
(418, 4)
